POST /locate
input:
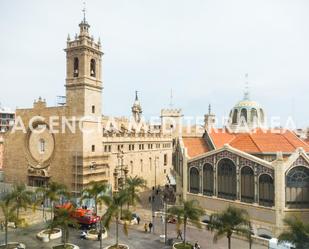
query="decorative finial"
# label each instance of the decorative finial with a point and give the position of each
(69, 38)
(209, 109)
(246, 91)
(136, 96)
(84, 11)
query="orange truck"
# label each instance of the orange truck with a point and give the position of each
(82, 216)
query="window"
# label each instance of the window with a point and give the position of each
(243, 115)
(227, 179)
(235, 117)
(92, 68)
(93, 148)
(107, 148)
(165, 159)
(142, 165)
(42, 146)
(247, 185)
(131, 147)
(75, 67)
(253, 115)
(194, 181)
(120, 147)
(93, 109)
(266, 190)
(208, 180)
(131, 164)
(297, 188)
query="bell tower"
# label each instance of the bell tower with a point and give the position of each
(83, 73)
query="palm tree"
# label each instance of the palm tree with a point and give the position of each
(95, 192)
(21, 197)
(53, 192)
(62, 220)
(297, 232)
(114, 204)
(229, 221)
(189, 210)
(8, 210)
(133, 186)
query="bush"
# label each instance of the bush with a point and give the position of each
(184, 246)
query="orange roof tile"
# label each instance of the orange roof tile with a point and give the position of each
(259, 141)
(195, 146)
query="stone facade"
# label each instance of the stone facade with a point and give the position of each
(78, 144)
(1, 152)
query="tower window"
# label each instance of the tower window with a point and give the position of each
(93, 148)
(92, 68)
(75, 68)
(93, 109)
(42, 146)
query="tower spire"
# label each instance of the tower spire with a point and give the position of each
(246, 90)
(136, 96)
(171, 99)
(84, 12)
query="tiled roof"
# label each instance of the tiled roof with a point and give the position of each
(259, 141)
(195, 146)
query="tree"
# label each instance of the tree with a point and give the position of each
(53, 192)
(297, 232)
(232, 220)
(9, 213)
(62, 220)
(95, 192)
(188, 211)
(114, 204)
(133, 186)
(21, 198)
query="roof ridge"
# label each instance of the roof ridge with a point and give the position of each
(283, 134)
(303, 142)
(254, 142)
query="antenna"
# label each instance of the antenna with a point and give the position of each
(84, 11)
(171, 98)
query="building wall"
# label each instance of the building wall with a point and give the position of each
(1, 151)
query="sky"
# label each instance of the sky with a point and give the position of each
(201, 49)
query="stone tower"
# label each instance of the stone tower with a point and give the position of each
(209, 119)
(171, 121)
(83, 74)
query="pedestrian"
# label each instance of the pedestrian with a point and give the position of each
(83, 235)
(99, 236)
(150, 226)
(179, 234)
(138, 220)
(146, 228)
(196, 246)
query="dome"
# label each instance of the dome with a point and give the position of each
(246, 114)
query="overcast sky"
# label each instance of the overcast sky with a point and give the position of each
(199, 48)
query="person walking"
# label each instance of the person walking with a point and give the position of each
(138, 220)
(179, 234)
(146, 228)
(150, 226)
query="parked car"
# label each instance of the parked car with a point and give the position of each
(273, 244)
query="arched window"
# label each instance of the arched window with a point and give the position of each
(194, 181)
(235, 117)
(76, 67)
(247, 185)
(254, 115)
(92, 68)
(42, 146)
(297, 188)
(243, 115)
(262, 115)
(227, 179)
(208, 180)
(266, 190)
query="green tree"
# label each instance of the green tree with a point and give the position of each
(232, 220)
(96, 192)
(21, 198)
(188, 211)
(62, 220)
(8, 210)
(53, 192)
(297, 232)
(113, 211)
(133, 186)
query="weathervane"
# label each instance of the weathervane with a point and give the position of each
(171, 99)
(246, 92)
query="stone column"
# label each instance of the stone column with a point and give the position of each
(185, 175)
(238, 179)
(201, 178)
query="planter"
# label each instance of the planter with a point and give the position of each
(69, 246)
(45, 237)
(188, 246)
(120, 246)
(14, 245)
(93, 235)
(162, 238)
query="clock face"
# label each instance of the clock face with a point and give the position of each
(41, 144)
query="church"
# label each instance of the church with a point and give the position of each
(246, 165)
(109, 153)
